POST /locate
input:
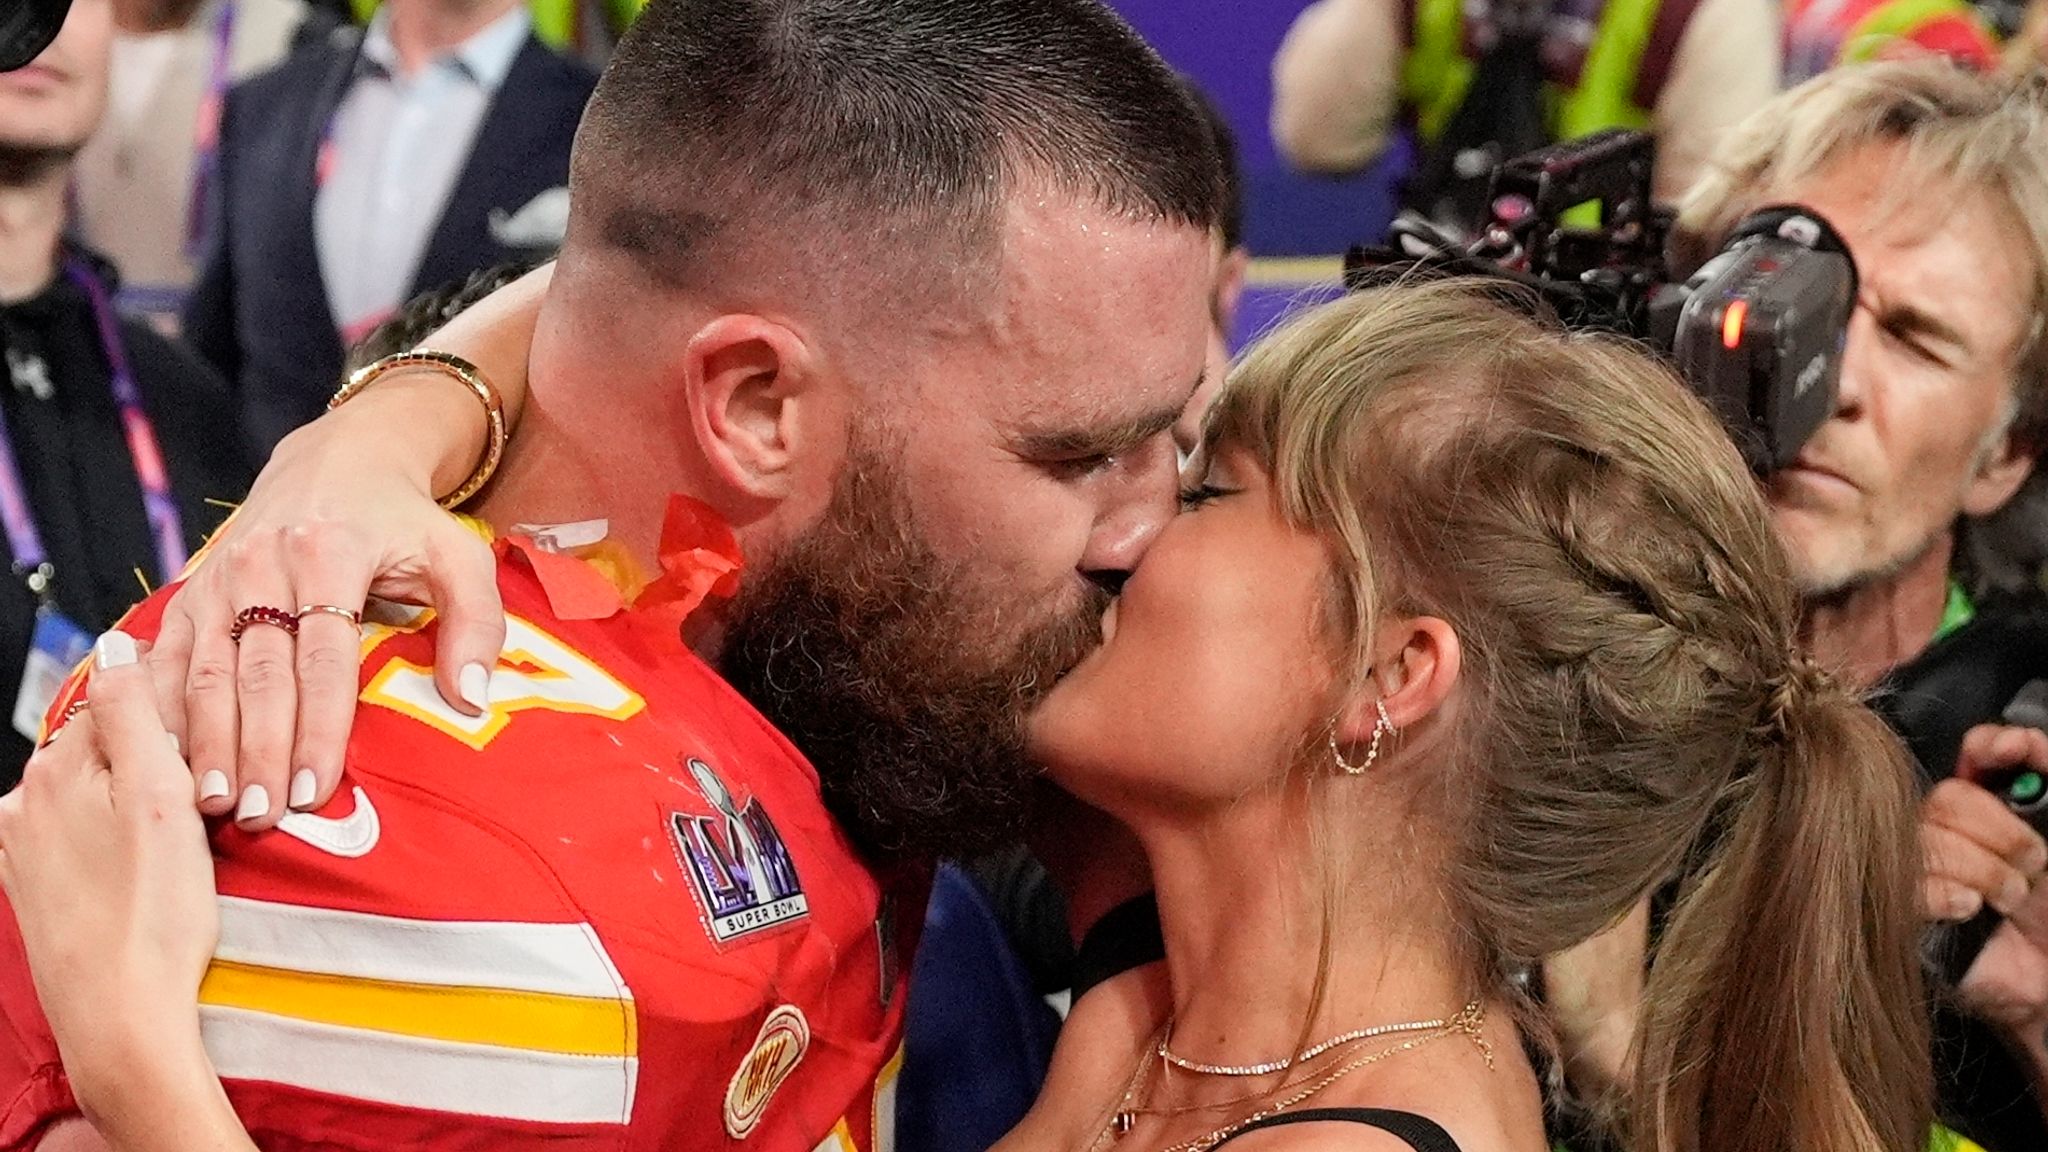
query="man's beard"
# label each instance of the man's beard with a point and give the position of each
(879, 660)
(1825, 589)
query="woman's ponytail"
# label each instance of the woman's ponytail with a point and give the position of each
(1784, 1010)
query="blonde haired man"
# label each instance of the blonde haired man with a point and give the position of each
(1938, 180)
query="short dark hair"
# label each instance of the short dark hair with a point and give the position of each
(431, 311)
(1232, 221)
(900, 120)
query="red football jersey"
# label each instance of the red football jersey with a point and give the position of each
(613, 913)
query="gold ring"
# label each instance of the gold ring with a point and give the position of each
(353, 617)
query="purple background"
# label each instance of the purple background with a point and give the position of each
(1228, 47)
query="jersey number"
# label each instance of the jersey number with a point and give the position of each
(535, 671)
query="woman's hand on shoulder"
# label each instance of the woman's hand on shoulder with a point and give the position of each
(345, 510)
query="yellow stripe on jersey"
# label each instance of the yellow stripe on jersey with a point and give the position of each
(505, 1020)
(537, 1022)
(884, 1118)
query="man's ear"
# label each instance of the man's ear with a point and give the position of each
(1230, 280)
(1415, 666)
(1999, 476)
(749, 383)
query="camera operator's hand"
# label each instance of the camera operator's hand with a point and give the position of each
(1977, 850)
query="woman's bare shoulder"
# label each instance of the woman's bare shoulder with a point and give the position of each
(1098, 1048)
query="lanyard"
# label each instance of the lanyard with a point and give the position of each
(206, 132)
(31, 559)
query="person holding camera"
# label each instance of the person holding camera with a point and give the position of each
(1937, 180)
(1482, 80)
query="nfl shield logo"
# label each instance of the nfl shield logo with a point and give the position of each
(737, 863)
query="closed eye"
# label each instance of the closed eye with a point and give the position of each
(1080, 467)
(1200, 494)
(1916, 344)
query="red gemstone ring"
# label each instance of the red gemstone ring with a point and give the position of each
(263, 614)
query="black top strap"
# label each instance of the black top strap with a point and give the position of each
(1421, 1133)
(1126, 937)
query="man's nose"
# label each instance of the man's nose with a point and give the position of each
(1852, 390)
(1140, 500)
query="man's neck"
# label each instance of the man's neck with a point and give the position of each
(1867, 631)
(554, 474)
(142, 17)
(32, 213)
(422, 31)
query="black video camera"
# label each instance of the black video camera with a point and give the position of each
(1757, 331)
(27, 27)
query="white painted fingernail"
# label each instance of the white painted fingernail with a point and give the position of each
(475, 686)
(255, 802)
(213, 784)
(115, 649)
(177, 749)
(303, 788)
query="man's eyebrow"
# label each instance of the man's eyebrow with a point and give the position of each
(1912, 318)
(1104, 438)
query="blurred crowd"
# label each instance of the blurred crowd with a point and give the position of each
(206, 206)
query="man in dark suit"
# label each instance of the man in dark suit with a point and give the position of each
(385, 162)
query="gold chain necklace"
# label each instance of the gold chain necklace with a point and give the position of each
(1287, 1085)
(1469, 1021)
(1303, 1056)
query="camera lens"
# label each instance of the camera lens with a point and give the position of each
(27, 27)
(2026, 790)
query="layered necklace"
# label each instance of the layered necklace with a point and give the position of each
(1469, 1021)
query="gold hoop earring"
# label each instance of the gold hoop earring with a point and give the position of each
(1381, 728)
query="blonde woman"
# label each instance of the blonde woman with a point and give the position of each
(1472, 633)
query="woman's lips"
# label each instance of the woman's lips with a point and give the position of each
(1109, 622)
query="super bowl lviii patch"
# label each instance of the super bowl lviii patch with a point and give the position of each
(738, 865)
(785, 1036)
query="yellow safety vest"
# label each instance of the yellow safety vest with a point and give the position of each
(1437, 72)
(554, 21)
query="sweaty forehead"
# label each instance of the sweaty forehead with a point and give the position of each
(1093, 315)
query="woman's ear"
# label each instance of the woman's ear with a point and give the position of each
(750, 383)
(1415, 666)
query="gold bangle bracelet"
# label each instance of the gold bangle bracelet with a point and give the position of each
(468, 375)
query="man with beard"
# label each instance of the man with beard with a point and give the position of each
(896, 299)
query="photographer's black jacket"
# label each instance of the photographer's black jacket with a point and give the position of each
(1966, 678)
